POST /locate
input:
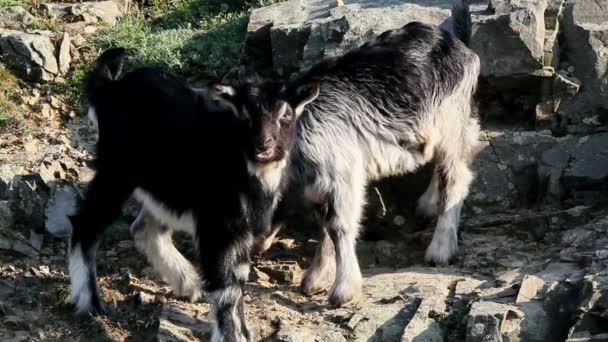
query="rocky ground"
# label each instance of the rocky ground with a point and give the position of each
(533, 262)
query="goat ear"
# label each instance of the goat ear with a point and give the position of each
(224, 91)
(111, 62)
(224, 95)
(302, 95)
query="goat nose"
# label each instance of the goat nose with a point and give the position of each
(268, 142)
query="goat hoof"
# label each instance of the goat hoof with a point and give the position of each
(311, 289)
(342, 295)
(263, 244)
(314, 282)
(337, 301)
(193, 294)
(96, 307)
(441, 250)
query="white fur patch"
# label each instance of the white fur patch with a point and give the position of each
(242, 271)
(300, 107)
(92, 115)
(81, 295)
(227, 298)
(349, 280)
(156, 243)
(445, 238)
(224, 296)
(270, 174)
(184, 222)
(282, 109)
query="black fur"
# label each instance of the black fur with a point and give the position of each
(158, 134)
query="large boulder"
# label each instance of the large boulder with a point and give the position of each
(15, 17)
(62, 203)
(295, 34)
(515, 169)
(32, 55)
(585, 28)
(552, 27)
(28, 199)
(576, 167)
(89, 12)
(508, 36)
(506, 168)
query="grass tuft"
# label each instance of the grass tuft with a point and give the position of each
(194, 38)
(9, 3)
(11, 118)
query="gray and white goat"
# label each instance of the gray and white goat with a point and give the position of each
(386, 108)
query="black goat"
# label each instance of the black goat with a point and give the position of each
(186, 159)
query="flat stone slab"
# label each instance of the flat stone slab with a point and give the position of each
(296, 34)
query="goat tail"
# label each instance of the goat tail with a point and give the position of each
(462, 20)
(108, 68)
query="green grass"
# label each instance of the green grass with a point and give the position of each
(11, 118)
(9, 3)
(39, 23)
(193, 37)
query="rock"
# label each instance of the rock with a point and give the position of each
(36, 240)
(123, 5)
(485, 321)
(507, 168)
(295, 334)
(19, 246)
(385, 321)
(126, 244)
(508, 36)
(145, 298)
(56, 10)
(576, 165)
(89, 12)
(98, 12)
(47, 111)
(259, 276)
(78, 40)
(32, 55)
(4, 189)
(530, 286)
(286, 243)
(585, 28)
(592, 311)
(552, 26)
(55, 102)
(65, 58)
(29, 197)
(300, 334)
(580, 244)
(8, 172)
(285, 272)
(44, 270)
(15, 17)
(590, 164)
(62, 204)
(295, 34)
(432, 286)
(179, 321)
(564, 89)
(38, 273)
(51, 170)
(6, 215)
